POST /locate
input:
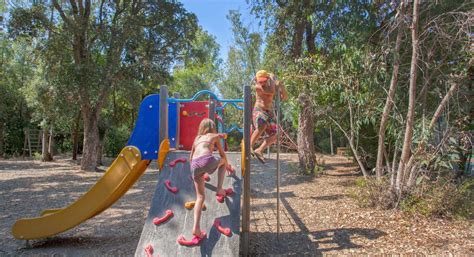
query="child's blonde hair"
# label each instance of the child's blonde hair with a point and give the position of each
(206, 126)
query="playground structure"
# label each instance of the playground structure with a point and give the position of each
(164, 131)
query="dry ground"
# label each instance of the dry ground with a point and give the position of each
(317, 215)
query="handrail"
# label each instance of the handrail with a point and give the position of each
(234, 127)
(202, 92)
(241, 108)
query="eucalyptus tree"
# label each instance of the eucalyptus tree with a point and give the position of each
(199, 67)
(98, 44)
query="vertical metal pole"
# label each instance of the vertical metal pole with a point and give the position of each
(178, 115)
(277, 104)
(212, 110)
(246, 197)
(163, 113)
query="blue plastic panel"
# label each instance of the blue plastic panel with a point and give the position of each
(173, 117)
(145, 134)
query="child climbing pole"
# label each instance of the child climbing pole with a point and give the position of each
(263, 116)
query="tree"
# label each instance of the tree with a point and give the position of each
(199, 68)
(107, 41)
(391, 92)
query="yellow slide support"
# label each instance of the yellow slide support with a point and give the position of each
(118, 178)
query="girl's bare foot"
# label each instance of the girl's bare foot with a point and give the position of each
(220, 192)
(198, 233)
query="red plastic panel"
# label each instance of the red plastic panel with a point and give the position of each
(191, 115)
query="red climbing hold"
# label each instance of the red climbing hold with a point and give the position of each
(149, 251)
(220, 198)
(182, 160)
(206, 177)
(170, 188)
(225, 231)
(229, 191)
(193, 242)
(167, 216)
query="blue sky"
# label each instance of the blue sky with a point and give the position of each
(212, 17)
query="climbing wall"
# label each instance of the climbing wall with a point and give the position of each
(162, 238)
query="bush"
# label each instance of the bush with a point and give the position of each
(115, 140)
(373, 193)
(442, 198)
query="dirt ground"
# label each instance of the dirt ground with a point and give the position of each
(317, 215)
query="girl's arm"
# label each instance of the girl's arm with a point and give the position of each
(192, 151)
(220, 149)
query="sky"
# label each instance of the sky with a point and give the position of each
(212, 18)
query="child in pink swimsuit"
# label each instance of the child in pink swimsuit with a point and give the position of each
(202, 161)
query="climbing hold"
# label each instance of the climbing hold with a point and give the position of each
(221, 198)
(170, 188)
(185, 113)
(206, 177)
(167, 216)
(229, 191)
(225, 231)
(149, 251)
(173, 163)
(190, 205)
(193, 242)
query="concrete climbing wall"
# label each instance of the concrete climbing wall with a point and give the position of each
(163, 237)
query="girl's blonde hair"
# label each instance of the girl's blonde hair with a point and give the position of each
(206, 126)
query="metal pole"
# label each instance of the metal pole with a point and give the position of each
(246, 187)
(212, 110)
(277, 104)
(178, 115)
(163, 113)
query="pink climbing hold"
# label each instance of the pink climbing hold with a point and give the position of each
(206, 177)
(193, 242)
(167, 216)
(149, 251)
(170, 188)
(182, 160)
(220, 198)
(225, 231)
(229, 191)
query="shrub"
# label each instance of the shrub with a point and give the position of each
(373, 193)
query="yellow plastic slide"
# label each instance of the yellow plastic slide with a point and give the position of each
(120, 176)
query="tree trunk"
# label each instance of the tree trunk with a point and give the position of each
(75, 136)
(406, 149)
(391, 93)
(45, 155)
(91, 140)
(306, 155)
(2, 125)
(51, 143)
(330, 141)
(353, 148)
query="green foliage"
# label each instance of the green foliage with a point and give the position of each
(442, 198)
(373, 193)
(115, 140)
